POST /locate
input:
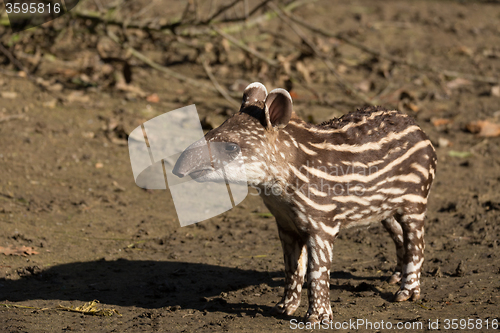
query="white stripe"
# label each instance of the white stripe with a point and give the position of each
(319, 241)
(352, 198)
(363, 178)
(367, 146)
(315, 191)
(298, 174)
(344, 214)
(332, 231)
(421, 169)
(323, 208)
(329, 250)
(418, 217)
(392, 190)
(291, 138)
(346, 127)
(414, 198)
(307, 150)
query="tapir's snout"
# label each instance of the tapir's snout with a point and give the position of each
(178, 170)
(193, 160)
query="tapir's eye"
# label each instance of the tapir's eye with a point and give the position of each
(232, 147)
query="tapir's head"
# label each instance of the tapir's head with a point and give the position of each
(239, 149)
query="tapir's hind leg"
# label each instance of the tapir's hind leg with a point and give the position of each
(396, 233)
(413, 242)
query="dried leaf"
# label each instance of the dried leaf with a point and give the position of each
(443, 142)
(342, 69)
(457, 83)
(90, 308)
(119, 142)
(226, 45)
(153, 98)
(465, 50)
(365, 85)
(285, 62)
(78, 96)
(495, 91)
(117, 186)
(18, 251)
(8, 94)
(484, 128)
(412, 106)
(130, 88)
(50, 104)
(302, 69)
(438, 122)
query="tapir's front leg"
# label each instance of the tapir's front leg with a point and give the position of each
(319, 249)
(295, 255)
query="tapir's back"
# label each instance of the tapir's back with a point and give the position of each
(362, 166)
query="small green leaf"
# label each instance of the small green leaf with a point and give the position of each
(461, 154)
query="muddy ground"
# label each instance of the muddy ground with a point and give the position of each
(68, 193)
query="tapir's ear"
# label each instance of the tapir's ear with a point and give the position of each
(278, 108)
(254, 94)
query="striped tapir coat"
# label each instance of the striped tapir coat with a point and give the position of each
(368, 166)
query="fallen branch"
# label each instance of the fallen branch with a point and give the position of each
(11, 117)
(12, 59)
(217, 86)
(161, 68)
(422, 67)
(245, 48)
(221, 10)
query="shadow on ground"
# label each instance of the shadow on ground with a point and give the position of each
(150, 284)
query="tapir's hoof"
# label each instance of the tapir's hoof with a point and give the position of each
(318, 318)
(395, 278)
(280, 309)
(404, 294)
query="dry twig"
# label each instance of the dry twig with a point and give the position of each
(221, 10)
(12, 59)
(217, 86)
(11, 117)
(161, 68)
(245, 48)
(156, 66)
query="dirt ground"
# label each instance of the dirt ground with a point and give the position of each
(68, 193)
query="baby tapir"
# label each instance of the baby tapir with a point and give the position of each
(368, 166)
